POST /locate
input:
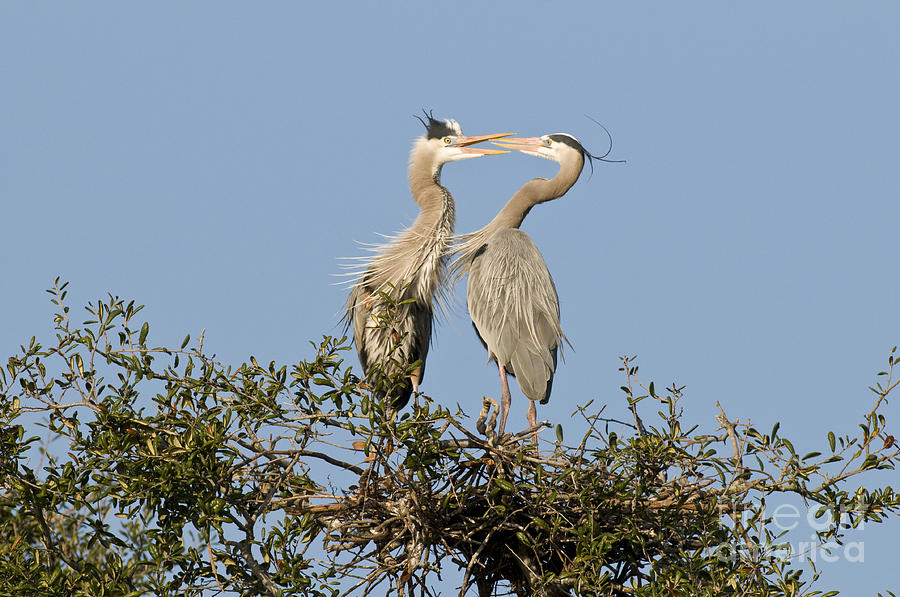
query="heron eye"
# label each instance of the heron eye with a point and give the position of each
(549, 142)
(447, 140)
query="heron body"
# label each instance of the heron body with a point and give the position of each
(516, 313)
(391, 304)
(510, 294)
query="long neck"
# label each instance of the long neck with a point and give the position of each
(414, 261)
(538, 190)
(437, 212)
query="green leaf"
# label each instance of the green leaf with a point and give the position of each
(505, 485)
(540, 523)
(787, 444)
(831, 440)
(145, 329)
(559, 433)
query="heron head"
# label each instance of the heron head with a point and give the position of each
(559, 147)
(446, 140)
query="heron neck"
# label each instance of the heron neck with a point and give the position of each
(533, 192)
(437, 213)
(538, 190)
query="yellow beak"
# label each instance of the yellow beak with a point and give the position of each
(464, 142)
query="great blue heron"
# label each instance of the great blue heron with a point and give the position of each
(391, 303)
(511, 297)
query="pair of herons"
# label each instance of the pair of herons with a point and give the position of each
(511, 297)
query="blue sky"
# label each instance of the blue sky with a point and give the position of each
(212, 160)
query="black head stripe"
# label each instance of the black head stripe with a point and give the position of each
(570, 141)
(585, 154)
(574, 144)
(435, 129)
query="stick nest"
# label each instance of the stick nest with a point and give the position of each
(547, 524)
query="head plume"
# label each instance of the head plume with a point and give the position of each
(437, 129)
(601, 158)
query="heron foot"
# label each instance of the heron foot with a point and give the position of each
(486, 425)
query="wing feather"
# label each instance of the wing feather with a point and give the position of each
(515, 308)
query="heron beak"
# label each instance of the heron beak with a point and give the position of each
(522, 143)
(463, 144)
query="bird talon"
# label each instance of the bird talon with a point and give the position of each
(486, 425)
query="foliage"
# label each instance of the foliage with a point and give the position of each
(164, 472)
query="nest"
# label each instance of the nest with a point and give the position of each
(503, 512)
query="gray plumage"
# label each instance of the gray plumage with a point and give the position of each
(391, 303)
(515, 309)
(510, 294)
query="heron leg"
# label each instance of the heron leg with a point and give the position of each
(532, 419)
(505, 399)
(414, 381)
(532, 414)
